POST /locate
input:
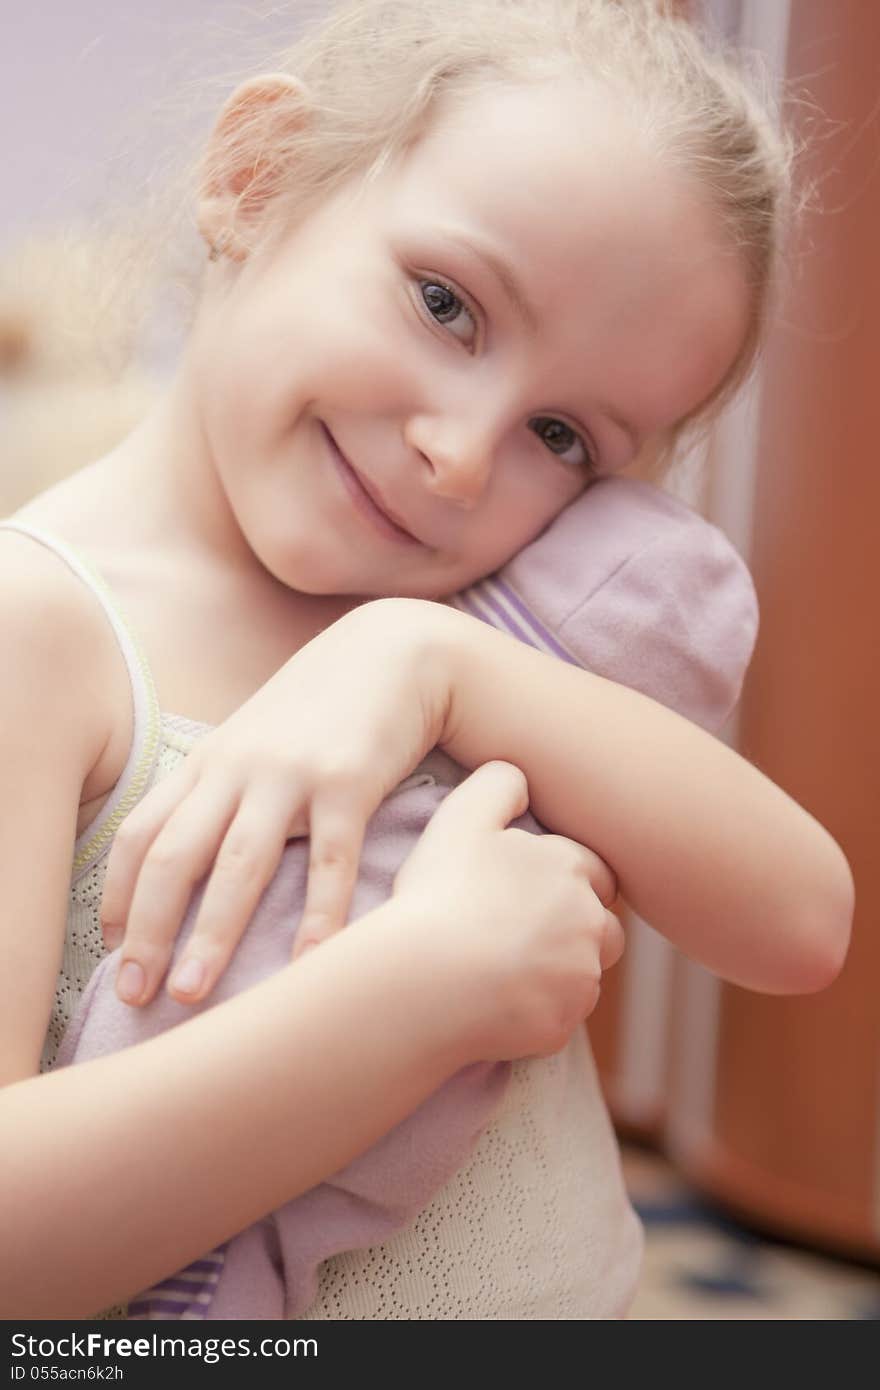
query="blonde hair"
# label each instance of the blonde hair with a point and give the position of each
(374, 72)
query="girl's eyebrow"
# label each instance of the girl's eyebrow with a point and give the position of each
(503, 273)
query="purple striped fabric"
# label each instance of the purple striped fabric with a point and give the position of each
(501, 606)
(185, 1295)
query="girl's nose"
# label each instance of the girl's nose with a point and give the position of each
(458, 454)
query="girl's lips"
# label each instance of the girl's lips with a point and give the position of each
(367, 505)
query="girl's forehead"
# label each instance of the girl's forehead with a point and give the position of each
(534, 127)
(558, 174)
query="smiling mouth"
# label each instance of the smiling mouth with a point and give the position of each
(366, 501)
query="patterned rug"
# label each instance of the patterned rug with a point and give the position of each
(701, 1265)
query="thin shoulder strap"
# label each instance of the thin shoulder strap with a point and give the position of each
(145, 739)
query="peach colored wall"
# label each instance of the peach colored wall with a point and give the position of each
(796, 1113)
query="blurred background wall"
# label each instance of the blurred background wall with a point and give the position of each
(96, 94)
(101, 104)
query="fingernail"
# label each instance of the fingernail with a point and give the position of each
(130, 982)
(189, 977)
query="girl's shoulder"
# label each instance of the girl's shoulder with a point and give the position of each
(54, 736)
(61, 659)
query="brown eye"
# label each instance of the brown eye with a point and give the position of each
(561, 439)
(441, 302)
(448, 309)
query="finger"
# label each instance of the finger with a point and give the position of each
(247, 860)
(587, 863)
(488, 799)
(613, 941)
(131, 843)
(603, 879)
(180, 855)
(337, 826)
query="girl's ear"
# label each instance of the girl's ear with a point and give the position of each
(248, 160)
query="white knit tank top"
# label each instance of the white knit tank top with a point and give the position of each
(537, 1225)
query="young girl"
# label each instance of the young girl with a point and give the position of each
(620, 565)
(479, 255)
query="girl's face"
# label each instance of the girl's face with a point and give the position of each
(468, 340)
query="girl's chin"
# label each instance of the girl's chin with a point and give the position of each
(339, 572)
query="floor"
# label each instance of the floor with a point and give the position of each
(700, 1265)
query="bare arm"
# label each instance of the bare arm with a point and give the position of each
(710, 851)
(705, 847)
(115, 1172)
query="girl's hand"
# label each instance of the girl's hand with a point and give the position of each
(314, 752)
(519, 926)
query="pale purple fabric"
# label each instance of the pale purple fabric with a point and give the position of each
(630, 583)
(627, 582)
